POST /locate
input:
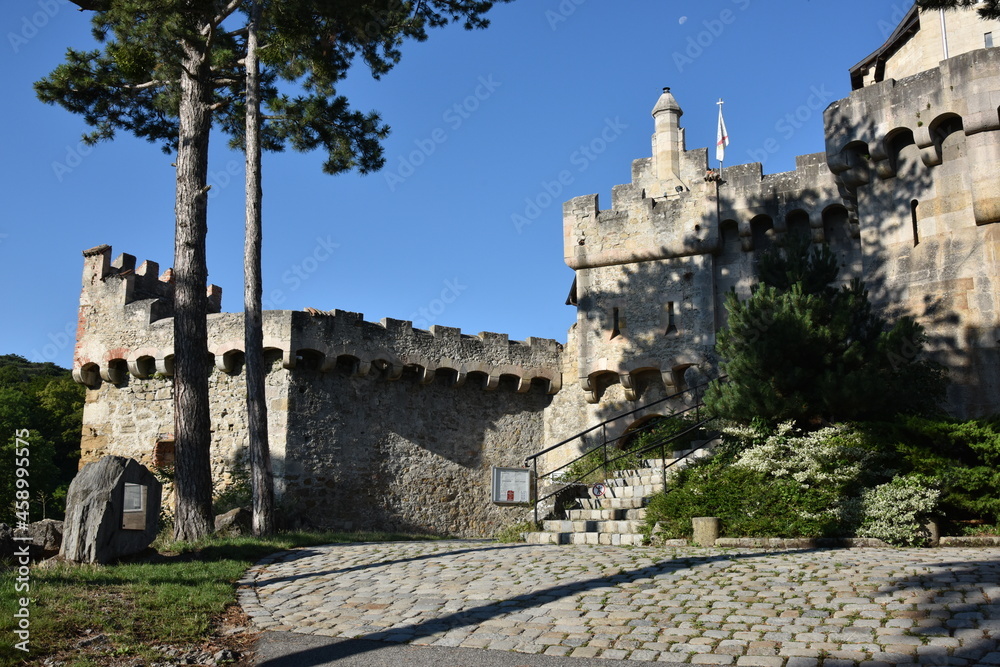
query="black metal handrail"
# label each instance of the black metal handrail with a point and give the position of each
(659, 444)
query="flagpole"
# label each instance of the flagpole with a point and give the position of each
(718, 182)
(722, 160)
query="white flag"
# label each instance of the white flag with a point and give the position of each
(723, 139)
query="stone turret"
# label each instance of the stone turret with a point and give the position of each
(668, 143)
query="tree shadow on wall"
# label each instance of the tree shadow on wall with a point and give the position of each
(658, 319)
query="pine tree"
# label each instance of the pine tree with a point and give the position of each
(800, 349)
(988, 9)
(168, 71)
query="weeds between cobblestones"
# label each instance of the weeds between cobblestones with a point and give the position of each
(702, 606)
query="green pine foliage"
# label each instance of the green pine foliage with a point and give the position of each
(962, 456)
(43, 401)
(131, 83)
(801, 349)
(988, 9)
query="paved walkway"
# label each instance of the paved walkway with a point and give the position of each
(785, 608)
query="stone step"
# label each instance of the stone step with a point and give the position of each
(632, 491)
(627, 526)
(606, 514)
(638, 480)
(612, 503)
(615, 539)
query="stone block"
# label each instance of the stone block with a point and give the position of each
(238, 521)
(112, 510)
(47, 535)
(706, 530)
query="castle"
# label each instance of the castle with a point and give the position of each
(384, 425)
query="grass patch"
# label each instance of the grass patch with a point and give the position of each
(513, 532)
(172, 597)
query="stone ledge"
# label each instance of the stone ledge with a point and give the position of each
(799, 543)
(971, 541)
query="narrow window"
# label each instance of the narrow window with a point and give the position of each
(913, 219)
(671, 325)
(615, 324)
(988, 38)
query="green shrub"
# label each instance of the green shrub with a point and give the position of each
(964, 458)
(749, 502)
(881, 480)
(776, 483)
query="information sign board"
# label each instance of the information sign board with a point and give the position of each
(512, 486)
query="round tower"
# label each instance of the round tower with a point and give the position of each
(668, 139)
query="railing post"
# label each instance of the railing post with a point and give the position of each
(663, 463)
(604, 449)
(535, 480)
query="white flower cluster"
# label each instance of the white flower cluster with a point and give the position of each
(896, 512)
(831, 456)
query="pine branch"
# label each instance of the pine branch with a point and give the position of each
(91, 5)
(226, 13)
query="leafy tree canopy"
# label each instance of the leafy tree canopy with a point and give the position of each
(43, 400)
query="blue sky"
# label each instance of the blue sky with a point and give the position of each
(482, 124)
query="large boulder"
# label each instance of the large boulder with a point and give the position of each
(47, 535)
(112, 510)
(237, 521)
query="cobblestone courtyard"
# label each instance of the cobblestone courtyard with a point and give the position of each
(783, 608)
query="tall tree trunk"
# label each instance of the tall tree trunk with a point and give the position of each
(261, 476)
(192, 422)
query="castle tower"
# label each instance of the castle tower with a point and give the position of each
(668, 142)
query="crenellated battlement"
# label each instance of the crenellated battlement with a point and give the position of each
(933, 111)
(640, 227)
(126, 330)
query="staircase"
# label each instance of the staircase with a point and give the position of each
(617, 517)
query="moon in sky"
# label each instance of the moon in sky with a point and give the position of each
(682, 20)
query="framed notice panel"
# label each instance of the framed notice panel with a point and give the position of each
(512, 486)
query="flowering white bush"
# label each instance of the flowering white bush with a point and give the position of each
(830, 457)
(896, 512)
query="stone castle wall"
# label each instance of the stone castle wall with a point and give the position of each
(380, 425)
(371, 425)
(919, 160)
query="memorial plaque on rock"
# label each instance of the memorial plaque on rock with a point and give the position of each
(112, 510)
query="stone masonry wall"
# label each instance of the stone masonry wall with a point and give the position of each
(368, 453)
(424, 414)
